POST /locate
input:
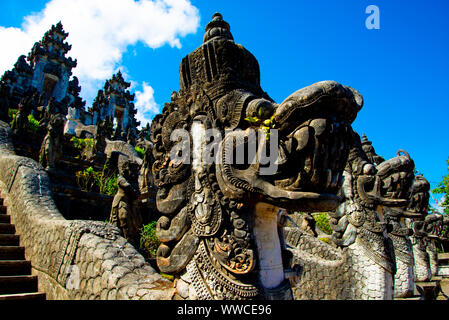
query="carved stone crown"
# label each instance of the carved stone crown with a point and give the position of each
(220, 64)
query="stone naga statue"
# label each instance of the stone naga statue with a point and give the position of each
(359, 223)
(219, 229)
(362, 267)
(434, 228)
(419, 237)
(400, 233)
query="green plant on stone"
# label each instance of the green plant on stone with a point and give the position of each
(326, 240)
(322, 222)
(83, 145)
(85, 179)
(12, 114)
(110, 185)
(33, 124)
(149, 240)
(264, 119)
(104, 181)
(140, 151)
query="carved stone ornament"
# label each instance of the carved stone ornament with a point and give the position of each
(219, 217)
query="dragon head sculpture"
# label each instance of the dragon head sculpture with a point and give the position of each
(417, 211)
(227, 158)
(368, 191)
(372, 188)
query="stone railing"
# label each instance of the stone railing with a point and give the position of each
(73, 259)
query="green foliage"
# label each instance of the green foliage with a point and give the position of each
(33, 124)
(85, 179)
(267, 124)
(443, 188)
(102, 182)
(108, 185)
(83, 145)
(167, 276)
(149, 240)
(12, 114)
(326, 240)
(322, 221)
(140, 151)
(253, 120)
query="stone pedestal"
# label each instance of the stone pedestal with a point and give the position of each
(428, 290)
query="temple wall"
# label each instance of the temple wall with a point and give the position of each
(73, 259)
(60, 90)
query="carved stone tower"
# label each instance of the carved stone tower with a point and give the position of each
(115, 101)
(51, 68)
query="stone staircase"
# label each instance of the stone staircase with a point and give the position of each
(16, 281)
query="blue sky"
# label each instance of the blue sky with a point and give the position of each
(401, 69)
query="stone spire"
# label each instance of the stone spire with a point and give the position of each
(365, 140)
(370, 152)
(53, 47)
(116, 102)
(219, 64)
(218, 28)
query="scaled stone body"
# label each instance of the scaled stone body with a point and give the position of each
(363, 264)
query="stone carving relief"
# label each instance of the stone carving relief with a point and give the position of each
(125, 212)
(219, 227)
(51, 148)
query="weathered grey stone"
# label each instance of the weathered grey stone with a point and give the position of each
(182, 288)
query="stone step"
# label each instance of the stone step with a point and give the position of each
(4, 218)
(23, 296)
(3, 209)
(15, 268)
(9, 240)
(443, 258)
(12, 253)
(7, 228)
(1, 201)
(414, 298)
(18, 284)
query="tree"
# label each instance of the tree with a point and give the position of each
(443, 188)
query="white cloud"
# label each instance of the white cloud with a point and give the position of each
(100, 32)
(437, 203)
(145, 104)
(15, 43)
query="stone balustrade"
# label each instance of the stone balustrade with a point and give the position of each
(73, 259)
